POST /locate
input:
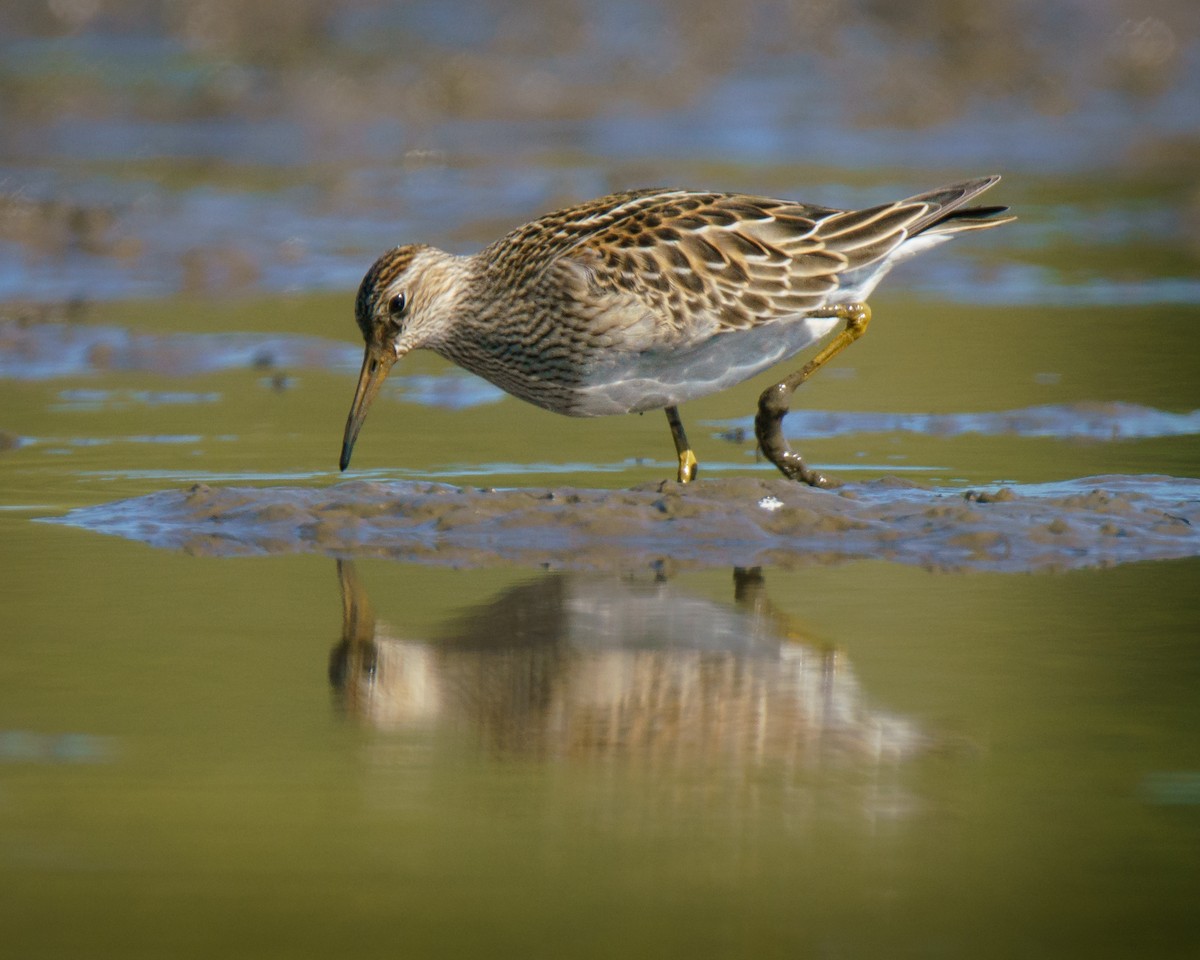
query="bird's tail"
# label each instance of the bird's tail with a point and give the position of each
(947, 214)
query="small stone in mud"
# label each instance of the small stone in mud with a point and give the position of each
(8, 441)
(100, 356)
(736, 435)
(1003, 495)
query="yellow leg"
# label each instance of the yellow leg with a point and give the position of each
(687, 459)
(774, 403)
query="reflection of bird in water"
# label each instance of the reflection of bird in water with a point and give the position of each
(592, 666)
(644, 300)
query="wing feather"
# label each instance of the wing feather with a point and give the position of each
(680, 266)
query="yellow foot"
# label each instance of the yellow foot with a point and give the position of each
(687, 466)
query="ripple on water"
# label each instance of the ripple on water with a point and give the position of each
(1092, 421)
(46, 351)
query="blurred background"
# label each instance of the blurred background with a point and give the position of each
(290, 754)
(211, 146)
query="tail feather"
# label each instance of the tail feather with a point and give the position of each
(948, 215)
(943, 217)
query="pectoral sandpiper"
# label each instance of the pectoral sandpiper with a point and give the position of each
(647, 299)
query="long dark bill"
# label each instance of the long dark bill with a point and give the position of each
(376, 364)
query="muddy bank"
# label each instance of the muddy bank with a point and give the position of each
(1091, 522)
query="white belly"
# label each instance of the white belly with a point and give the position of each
(651, 379)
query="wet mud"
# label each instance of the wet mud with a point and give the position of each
(1096, 521)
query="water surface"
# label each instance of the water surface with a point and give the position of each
(947, 710)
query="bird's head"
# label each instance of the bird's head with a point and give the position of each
(404, 302)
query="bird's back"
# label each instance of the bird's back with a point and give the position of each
(652, 297)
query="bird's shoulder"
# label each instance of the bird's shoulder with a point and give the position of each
(700, 261)
(648, 217)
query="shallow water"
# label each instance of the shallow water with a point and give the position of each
(504, 688)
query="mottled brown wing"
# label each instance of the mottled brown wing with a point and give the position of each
(526, 252)
(706, 262)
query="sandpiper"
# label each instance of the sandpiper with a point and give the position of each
(646, 299)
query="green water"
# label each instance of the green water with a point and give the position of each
(179, 777)
(221, 800)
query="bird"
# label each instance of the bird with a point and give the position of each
(645, 299)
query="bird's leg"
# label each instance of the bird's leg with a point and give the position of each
(774, 402)
(687, 459)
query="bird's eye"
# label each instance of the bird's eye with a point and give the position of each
(397, 304)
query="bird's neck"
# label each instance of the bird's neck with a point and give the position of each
(449, 286)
